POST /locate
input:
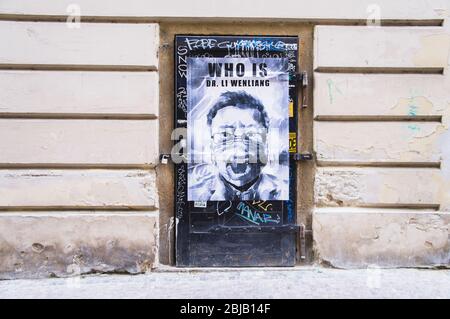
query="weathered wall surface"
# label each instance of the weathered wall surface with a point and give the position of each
(42, 244)
(358, 237)
(80, 116)
(79, 127)
(382, 115)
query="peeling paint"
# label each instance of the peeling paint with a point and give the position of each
(390, 239)
(426, 141)
(338, 187)
(71, 245)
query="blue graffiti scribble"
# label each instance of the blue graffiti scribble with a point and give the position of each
(257, 218)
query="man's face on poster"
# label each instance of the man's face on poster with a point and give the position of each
(238, 144)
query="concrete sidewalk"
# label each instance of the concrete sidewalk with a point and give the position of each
(311, 282)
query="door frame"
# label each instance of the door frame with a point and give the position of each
(165, 173)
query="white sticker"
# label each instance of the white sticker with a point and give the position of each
(200, 204)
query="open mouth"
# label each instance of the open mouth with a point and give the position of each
(236, 170)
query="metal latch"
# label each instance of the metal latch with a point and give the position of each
(302, 78)
(302, 156)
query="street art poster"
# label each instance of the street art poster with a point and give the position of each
(236, 114)
(238, 128)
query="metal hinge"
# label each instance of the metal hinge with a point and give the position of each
(166, 158)
(303, 79)
(302, 238)
(302, 156)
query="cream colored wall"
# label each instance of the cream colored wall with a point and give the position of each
(79, 128)
(79, 121)
(253, 9)
(382, 140)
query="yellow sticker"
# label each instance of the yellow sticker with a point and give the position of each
(291, 109)
(292, 142)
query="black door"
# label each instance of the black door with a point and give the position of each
(236, 127)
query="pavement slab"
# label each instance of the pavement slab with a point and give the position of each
(298, 282)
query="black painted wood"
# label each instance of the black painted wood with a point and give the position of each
(216, 236)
